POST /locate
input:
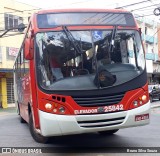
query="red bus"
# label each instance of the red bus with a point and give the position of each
(81, 71)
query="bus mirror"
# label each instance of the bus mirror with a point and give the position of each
(28, 49)
(21, 27)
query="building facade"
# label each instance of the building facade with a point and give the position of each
(149, 29)
(12, 13)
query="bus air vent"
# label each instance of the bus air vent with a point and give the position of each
(100, 100)
(101, 123)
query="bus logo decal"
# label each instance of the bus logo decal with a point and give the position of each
(85, 111)
(100, 110)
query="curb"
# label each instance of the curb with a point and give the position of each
(155, 106)
(7, 110)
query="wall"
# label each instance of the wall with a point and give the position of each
(13, 41)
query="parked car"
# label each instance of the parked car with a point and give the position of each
(154, 92)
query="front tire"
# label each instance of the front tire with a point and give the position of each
(110, 132)
(36, 136)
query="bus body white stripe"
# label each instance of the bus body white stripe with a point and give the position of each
(56, 125)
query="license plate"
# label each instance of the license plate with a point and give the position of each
(141, 117)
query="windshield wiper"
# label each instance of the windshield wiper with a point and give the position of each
(111, 46)
(94, 62)
(72, 40)
(135, 50)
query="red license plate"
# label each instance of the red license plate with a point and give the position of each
(141, 117)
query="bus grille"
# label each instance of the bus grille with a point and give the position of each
(101, 123)
(101, 100)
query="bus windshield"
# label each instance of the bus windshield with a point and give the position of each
(71, 60)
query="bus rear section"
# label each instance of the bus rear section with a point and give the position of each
(89, 75)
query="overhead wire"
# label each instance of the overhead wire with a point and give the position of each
(153, 1)
(154, 34)
(144, 7)
(129, 5)
(132, 4)
(144, 15)
(122, 7)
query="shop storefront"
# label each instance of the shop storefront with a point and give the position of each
(6, 87)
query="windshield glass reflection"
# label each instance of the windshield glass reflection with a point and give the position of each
(84, 60)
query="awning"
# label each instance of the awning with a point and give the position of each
(4, 70)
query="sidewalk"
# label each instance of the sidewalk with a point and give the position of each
(156, 105)
(9, 110)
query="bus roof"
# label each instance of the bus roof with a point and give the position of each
(60, 17)
(82, 10)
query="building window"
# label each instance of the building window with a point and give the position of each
(12, 21)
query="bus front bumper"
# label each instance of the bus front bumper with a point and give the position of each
(56, 125)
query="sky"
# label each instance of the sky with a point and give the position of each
(70, 3)
(142, 7)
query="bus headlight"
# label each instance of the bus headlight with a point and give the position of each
(48, 106)
(54, 107)
(141, 100)
(144, 98)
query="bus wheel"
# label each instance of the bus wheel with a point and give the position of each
(36, 136)
(110, 132)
